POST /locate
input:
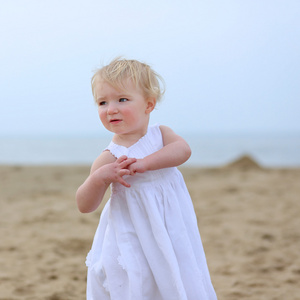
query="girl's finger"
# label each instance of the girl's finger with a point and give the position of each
(123, 172)
(127, 162)
(121, 159)
(133, 172)
(123, 182)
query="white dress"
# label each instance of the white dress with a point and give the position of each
(147, 245)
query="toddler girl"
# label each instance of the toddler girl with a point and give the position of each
(147, 244)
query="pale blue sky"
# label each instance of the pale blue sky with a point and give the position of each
(229, 66)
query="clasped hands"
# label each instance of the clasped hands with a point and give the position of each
(124, 166)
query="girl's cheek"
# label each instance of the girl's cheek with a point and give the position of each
(102, 116)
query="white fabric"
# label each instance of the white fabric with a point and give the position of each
(147, 245)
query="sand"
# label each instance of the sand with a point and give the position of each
(249, 219)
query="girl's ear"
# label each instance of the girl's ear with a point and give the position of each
(151, 102)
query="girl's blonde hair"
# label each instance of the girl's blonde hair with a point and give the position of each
(142, 75)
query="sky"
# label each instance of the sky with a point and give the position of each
(229, 66)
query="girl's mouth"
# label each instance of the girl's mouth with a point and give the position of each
(115, 121)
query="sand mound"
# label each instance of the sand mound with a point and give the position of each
(244, 163)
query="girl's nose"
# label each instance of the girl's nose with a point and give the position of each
(112, 109)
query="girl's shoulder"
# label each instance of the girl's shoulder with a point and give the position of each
(104, 158)
(159, 129)
(165, 130)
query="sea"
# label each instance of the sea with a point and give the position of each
(213, 150)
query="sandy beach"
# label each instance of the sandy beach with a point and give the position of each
(249, 220)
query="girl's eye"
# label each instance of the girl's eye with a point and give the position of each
(123, 100)
(101, 103)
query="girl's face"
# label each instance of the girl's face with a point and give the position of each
(124, 112)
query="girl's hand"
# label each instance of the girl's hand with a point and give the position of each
(115, 171)
(137, 167)
(105, 170)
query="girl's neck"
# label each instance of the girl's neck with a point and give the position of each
(127, 140)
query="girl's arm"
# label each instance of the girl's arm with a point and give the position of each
(175, 152)
(105, 170)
